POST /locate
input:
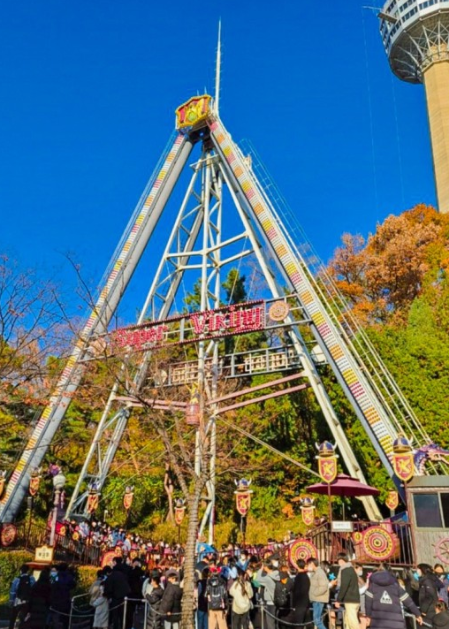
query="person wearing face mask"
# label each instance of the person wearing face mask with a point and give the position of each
(385, 600)
(442, 576)
(429, 586)
(318, 592)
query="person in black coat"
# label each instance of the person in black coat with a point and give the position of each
(39, 604)
(441, 618)
(135, 577)
(384, 600)
(429, 585)
(171, 601)
(154, 598)
(116, 587)
(61, 596)
(300, 595)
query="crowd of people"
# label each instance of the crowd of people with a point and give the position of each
(240, 592)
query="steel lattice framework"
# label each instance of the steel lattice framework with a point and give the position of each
(204, 241)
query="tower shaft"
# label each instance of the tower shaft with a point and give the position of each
(415, 35)
(436, 81)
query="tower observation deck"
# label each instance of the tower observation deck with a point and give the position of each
(415, 35)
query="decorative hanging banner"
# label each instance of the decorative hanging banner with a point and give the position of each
(308, 515)
(327, 461)
(392, 500)
(2, 481)
(193, 411)
(35, 480)
(301, 549)
(93, 500)
(307, 511)
(327, 468)
(243, 502)
(243, 496)
(128, 498)
(179, 515)
(180, 510)
(403, 466)
(403, 463)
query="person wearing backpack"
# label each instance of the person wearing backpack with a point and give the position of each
(19, 595)
(318, 591)
(282, 598)
(267, 577)
(242, 593)
(217, 599)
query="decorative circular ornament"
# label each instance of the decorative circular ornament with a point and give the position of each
(442, 550)
(107, 558)
(8, 535)
(357, 537)
(378, 543)
(278, 311)
(75, 536)
(301, 549)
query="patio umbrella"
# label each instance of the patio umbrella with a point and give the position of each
(345, 486)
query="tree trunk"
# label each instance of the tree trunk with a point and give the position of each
(188, 597)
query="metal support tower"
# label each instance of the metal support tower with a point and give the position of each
(203, 242)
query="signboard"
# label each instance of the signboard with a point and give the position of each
(43, 554)
(193, 327)
(342, 527)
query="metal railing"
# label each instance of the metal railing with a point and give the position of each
(331, 542)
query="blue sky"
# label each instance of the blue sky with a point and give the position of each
(87, 98)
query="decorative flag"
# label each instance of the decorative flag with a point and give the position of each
(392, 500)
(243, 502)
(243, 496)
(35, 480)
(128, 498)
(403, 463)
(2, 481)
(307, 511)
(93, 500)
(327, 462)
(193, 408)
(179, 511)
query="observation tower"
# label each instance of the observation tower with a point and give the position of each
(415, 34)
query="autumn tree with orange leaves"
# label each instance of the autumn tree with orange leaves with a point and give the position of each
(380, 277)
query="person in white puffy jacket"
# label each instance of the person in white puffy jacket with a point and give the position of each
(242, 593)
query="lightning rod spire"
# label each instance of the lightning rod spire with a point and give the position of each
(218, 69)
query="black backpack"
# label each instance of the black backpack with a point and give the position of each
(217, 594)
(24, 589)
(281, 595)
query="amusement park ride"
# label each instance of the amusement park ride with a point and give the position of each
(205, 242)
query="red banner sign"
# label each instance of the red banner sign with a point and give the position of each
(403, 465)
(327, 467)
(128, 500)
(308, 515)
(92, 502)
(197, 326)
(243, 501)
(392, 500)
(34, 485)
(179, 515)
